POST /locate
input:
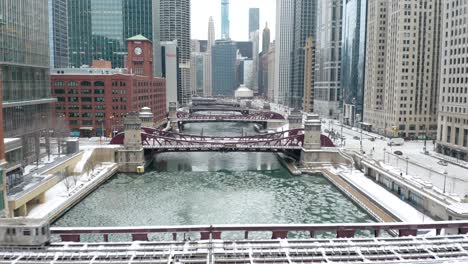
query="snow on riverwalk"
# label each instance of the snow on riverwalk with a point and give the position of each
(58, 197)
(380, 195)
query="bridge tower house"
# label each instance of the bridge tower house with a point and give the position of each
(173, 116)
(312, 132)
(295, 120)
(132, 155)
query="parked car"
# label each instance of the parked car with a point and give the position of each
(442, 162)
(397, 152)
(396, 141)
(356, 138)
(372, 139)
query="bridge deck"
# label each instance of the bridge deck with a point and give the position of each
(443, 249)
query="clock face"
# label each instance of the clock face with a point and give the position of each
(138, 51)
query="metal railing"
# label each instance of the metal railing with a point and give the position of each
(344, 230)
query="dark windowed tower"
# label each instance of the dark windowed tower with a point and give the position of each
(98, 29)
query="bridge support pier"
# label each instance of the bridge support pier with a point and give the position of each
(295, 120)
(132, 155)
(173, 116)
(312, 132)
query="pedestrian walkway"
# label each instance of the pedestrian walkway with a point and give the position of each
(359, 198)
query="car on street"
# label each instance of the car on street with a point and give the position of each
(356, 138)
(397, 152)
(442, 162)
(372, 139)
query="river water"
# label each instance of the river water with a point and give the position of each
(214, 188)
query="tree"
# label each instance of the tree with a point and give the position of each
(61, 131)
(67, 181)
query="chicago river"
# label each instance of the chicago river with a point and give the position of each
(214, 188)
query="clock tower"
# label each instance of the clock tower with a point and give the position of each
(140, 56)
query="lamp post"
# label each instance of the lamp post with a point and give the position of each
(445, 178)
(384, 150)
(360, 140)
(407, 163)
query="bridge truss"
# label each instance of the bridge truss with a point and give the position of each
(257, 116)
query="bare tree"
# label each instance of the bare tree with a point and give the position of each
(67, 181)
(61, 131)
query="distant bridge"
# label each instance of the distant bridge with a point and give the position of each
(213, 101)
(218, 108)
(256, 117)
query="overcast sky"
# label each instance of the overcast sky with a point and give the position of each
(238, 14)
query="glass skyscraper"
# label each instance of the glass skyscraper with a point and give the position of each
(58, 33)
(24, 73)
(224, 74)
(225, 19)
(98, 29)
(353, 59)
(254, 20)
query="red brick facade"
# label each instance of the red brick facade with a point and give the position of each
(93, 98)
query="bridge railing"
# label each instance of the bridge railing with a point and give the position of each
(347, 230)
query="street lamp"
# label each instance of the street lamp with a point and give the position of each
(384, 150)
(360, 140)
(407, 163)
(445, 178)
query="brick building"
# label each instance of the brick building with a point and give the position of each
(95, 99)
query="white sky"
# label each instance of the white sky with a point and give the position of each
(238, 15)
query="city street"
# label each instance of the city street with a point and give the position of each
(419, 165)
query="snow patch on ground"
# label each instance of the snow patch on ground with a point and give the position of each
(82, 163)
(58, 195)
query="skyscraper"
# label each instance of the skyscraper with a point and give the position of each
(255, 38)
(304, 27)
(58, 33)
(25, 74)
(266, 39)
(175, 25)
(224, 74)
(353, 60)
(254, 20)
(225, 23)
(327, 85)
(98, 29)
(208, 61)
(284, 44)
(403, 48)
(263, 63)
(309, 72)
(452, 135)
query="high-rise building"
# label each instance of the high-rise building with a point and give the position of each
(284, 45)
(58, 33)
(263, 64)
(452, 135)
(208, 66)
(25, 77)
(225, 23)
(271, 73)
(254, 20)
(403, 50)
(245, 48)
(327, 84)
(255, 38)
(353, 55)
(309, 73)
(224, 74)
(304, 27)
(175, 25)
(266, 39)
(170, 69)
(197, 72)
(98, 29)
